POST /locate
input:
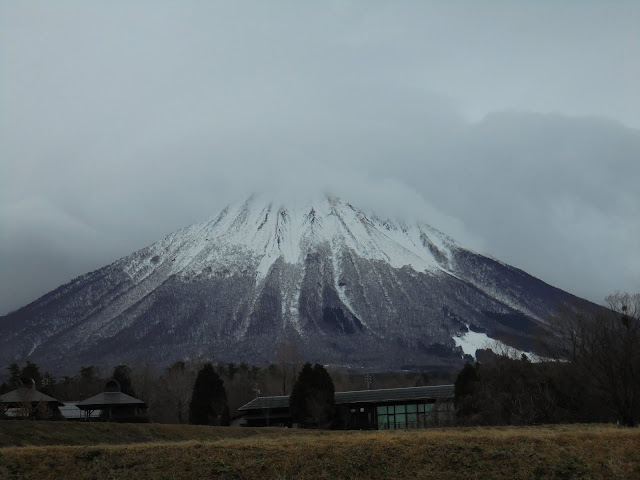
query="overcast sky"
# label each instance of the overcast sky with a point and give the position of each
(512, 126)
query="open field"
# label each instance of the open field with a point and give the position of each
(29, 433)
(117, 451)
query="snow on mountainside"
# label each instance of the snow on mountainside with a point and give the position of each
(267, 232)
(348, 287)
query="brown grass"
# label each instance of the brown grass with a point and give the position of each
(30, 433)
(562, 452)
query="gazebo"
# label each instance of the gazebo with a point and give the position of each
(114, 404)
(26, 401)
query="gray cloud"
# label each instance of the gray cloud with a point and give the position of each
(512, 127)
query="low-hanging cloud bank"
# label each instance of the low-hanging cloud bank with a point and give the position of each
(120, 125)
(552, 195)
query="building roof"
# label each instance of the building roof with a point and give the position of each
(395, 394)
(281, 401)
(363, 396)
(110, 399)
(28, 395)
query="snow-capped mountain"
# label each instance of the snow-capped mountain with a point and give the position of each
(347, 287)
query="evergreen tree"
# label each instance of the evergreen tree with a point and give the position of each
(301, 390)
(14, 371)
(312, 400)
(122, 373)
(209, 399)
(322, 403)
(225, 418)
(465, 387)
(89, 384)
(32, 371)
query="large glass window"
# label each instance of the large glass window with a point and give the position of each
(383, 422)
(414, 415)
(412, 419)
(400, 416)
(401, 420)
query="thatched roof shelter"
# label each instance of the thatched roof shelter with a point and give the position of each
(25, 401)
(27, 394)
(113, 402)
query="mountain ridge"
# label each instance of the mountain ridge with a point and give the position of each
(342, 284)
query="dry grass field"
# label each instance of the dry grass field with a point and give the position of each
(41, 450)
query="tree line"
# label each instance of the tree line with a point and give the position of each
(169, 391)
(182, 395)
(595, 376)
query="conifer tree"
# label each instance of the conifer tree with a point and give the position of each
(312, 401)
(122, 373)
(465, 387)
(301, 390)
(209, 399)
(14, 372)
(32, 371)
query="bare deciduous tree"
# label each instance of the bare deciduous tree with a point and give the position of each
(605, 344)
(290, 359)
(144, 380)
(176, 389)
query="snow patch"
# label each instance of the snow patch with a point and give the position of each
(471, 341)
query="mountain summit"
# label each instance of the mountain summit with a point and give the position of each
(347, 287)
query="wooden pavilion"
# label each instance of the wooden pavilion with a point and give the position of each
(114, 404)
(27, 402)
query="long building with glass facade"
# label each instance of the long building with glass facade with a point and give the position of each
(385, 409)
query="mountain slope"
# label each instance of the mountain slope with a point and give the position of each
(347, 287)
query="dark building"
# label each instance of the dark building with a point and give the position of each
(27, 402)
(387, 409)
(114, 404)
